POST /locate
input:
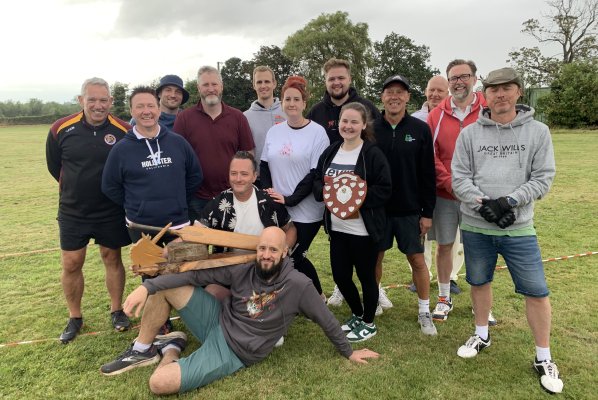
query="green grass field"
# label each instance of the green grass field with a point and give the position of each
(411, 365)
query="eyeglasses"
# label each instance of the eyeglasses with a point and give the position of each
(464, 78)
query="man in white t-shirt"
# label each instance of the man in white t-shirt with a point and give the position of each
(244, 208)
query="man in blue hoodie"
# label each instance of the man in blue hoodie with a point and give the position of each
(153, 171)
(503, 163)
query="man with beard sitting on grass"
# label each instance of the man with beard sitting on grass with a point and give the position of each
(241, 331)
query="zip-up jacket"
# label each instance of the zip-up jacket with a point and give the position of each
(152, 178)
(326, 113)
(373, 168)
(445, 128)
(75, 154)
(409, 151)
(259, 313)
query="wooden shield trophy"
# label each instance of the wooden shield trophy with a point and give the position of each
(344, 194)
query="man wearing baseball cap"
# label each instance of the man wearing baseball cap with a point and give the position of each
(501, 165)
(407, 143)
(172, 95)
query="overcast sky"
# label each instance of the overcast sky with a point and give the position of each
(49, 47)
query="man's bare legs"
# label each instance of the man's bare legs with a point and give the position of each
(72, 279)
(115, 276)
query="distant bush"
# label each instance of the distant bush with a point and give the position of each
(31, 120)
(573, 99)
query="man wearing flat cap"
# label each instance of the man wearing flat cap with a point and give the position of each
(407, 143)
(501, 165)
(172, 96)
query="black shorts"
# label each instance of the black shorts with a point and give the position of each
(75, 235)
(407, 233)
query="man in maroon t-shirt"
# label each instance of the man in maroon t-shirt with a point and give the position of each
(216, 132)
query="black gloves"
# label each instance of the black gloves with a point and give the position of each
(506, 220)
(498, 211)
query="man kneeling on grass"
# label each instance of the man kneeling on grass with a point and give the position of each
(240, 331)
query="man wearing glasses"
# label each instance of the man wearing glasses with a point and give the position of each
(446, 121)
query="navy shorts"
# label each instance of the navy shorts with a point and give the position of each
(407, 233)
(75, 235)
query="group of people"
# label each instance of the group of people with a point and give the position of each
(466, 167)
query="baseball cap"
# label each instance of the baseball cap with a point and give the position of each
(396, 78)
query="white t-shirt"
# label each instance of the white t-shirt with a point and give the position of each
(248, 217)
(291, 154)
(344, 161)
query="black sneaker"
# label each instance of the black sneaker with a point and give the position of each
(455, 289)
(177, 338)
(73, 327)
(131, 359)
(166, 328)
(120, 321)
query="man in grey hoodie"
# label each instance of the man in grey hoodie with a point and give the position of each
(264, 112)
(501, 165)
(241, 331)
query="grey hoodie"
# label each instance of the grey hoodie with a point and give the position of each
(261, 119)
(258, 313)
(493, 160)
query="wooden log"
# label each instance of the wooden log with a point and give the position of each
(214, 261)
(186, 251)
(198, 234)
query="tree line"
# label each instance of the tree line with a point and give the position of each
(572, 76)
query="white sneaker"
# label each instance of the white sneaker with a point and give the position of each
(336, 298)
(473, 346)
(379, 310)
(426, 324)
(491, 320)
(383, 300)
(280, 342)
(549, 376)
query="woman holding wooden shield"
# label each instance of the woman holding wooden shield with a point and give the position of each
(353, 180)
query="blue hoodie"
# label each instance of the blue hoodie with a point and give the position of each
(152, 178)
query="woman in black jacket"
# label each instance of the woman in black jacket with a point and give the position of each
(354, 239)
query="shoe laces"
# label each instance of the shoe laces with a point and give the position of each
(425, 319)
(551, 369)
(473, 341)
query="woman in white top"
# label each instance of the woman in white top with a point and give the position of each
(290, 155)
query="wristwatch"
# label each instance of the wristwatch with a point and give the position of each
(512, 202)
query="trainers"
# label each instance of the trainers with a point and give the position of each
(131, 359)
(443, 307)
(361, 332)
(166, 328)
(426, 324)
(412, 288)
(491, 320)
(280, 342)
(178, 339)
(336, 298)
(455, 289)
(73, 327)
(473, 346)
(351, 323)
(549, 376)
(379, 310)
(120, 321)
(383, 300)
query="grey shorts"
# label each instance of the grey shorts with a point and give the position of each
(445, 221)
